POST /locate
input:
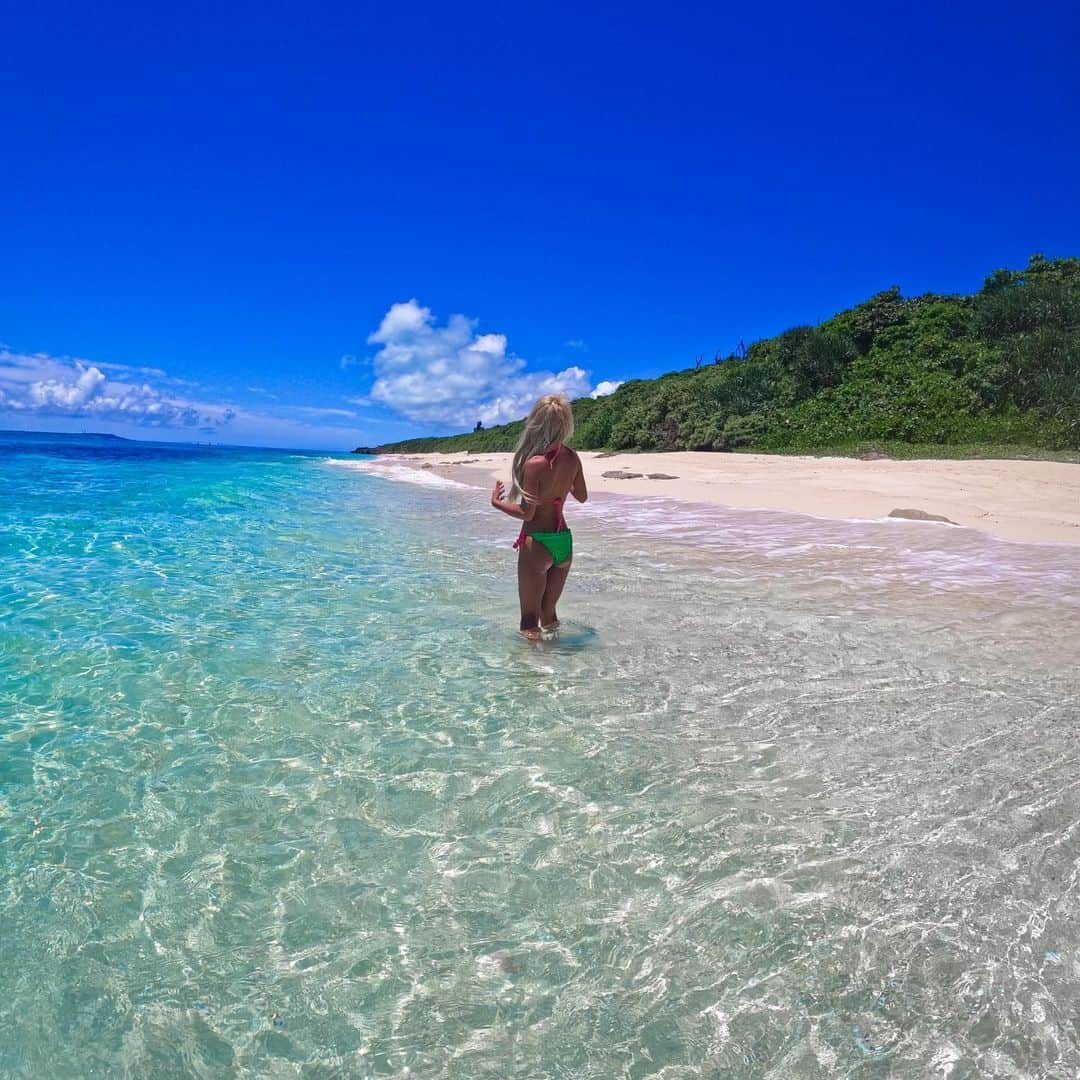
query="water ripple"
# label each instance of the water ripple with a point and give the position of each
(281, 792)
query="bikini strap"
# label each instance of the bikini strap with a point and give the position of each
(560, 521)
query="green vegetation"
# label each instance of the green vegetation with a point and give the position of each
(995, 373)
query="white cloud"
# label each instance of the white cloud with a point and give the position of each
(576, 344)
(61, 386)
(608, 386)
(314, 410)
(452, 375)
(69, 392)
(151, 371)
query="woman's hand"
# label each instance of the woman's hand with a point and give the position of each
(497, 493)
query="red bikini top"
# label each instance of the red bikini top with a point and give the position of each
(560, 521)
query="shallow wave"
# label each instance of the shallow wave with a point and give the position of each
(401, 474)
(870, 553)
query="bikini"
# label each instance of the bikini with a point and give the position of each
(560, 544)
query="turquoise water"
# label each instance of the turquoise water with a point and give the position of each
(282, 793)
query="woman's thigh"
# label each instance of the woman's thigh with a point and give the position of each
(534, 562)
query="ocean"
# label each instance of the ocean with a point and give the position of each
(282, 792)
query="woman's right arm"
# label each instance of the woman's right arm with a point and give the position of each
(526, 509)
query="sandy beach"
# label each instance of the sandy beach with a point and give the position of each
(1015, 500)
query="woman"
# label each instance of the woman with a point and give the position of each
(544, 472)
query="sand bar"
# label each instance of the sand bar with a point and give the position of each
(1016, 500)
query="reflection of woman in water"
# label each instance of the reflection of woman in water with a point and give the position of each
(544, 472)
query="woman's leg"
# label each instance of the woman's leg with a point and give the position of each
(534, 562)
(556, 579)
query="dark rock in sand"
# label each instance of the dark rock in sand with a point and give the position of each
(920, 515)
(661, 476)
(427, 465)
(607, 453)
(621, 474)
(873, 455)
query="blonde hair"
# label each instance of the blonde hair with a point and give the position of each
(550, 422)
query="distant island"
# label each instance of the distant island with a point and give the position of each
(994, 373)
(69, 435)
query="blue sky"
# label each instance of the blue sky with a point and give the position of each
(321, 225)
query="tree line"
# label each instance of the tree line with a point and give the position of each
(1000, 367)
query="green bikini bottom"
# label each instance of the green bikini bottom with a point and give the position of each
(559, 544)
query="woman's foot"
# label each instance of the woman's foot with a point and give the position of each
(532, 634)
(550, 627)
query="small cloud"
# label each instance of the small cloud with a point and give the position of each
(576, 344)
(348, 361)
(311, 410)
(261, 390)
(361, 401)
(608, 386)
(152, 372)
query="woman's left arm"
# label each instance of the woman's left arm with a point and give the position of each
(579, 490)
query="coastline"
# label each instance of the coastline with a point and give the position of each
(1027, 501)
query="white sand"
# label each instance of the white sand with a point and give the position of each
(1018, 500)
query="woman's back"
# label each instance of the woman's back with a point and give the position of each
(553, 475)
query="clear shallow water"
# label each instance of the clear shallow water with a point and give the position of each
(282, 794)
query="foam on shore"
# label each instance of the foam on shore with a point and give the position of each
(388, 469)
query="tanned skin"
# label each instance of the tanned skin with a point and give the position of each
(540, 582)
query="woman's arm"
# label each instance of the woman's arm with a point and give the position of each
(526, 510)
(523, 511)
(579, 490)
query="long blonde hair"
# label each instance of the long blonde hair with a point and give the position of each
(550, 422)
